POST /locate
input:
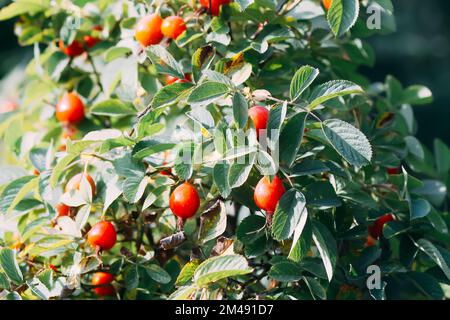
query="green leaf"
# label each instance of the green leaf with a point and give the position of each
(134, 187)
(308, 167)
(213, 222)
(239, 173)
(116, 52)
(288, 214)
(286, 271)
(348, 141)
(435, 254)
(171, 94)
(276, 118)
(342, 15)
(207, 93)
(183, 293)
(291, 138)
(326, 245)
(113, 108)
(240, 110)
(442, 154)
(244, 4)
(220, 267)
(148, 147)
(10, 266)
(23, 6)
(301, 81)
(158, 274)
(183, 167)
(417, 95)
(315, 288)
(14, 192)
(251, 229)
(419, 208)
(187, 272)
(220, 176)
(164, 61)
(331, 90)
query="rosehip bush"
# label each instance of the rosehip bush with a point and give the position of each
(216, 150)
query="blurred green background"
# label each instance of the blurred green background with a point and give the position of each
(418, 53)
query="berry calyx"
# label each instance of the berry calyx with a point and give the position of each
(74, 49)
(173, 26)
(184, 201)
(103, 281)
(327, 4)
(259, 116)
(215, 5)
(75, 181)
(62, 210)
(267, 194)
(171, 79)
(70, 109)
(102, 235)
(148, 30)
(376, 230)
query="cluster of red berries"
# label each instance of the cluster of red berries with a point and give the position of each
(77, 47)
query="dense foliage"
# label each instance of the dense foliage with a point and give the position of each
(216, 150)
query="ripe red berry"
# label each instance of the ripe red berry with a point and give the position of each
(396, 170)
(103, 235)
(103, 281)
(215, 5)
(72, 50)
(376, 230)
(75, 181)
(184, 201)
(171, 79)
(62, 210)
(267, 194)
(148, 30)
(173, 26)
(70, 108)
(7, 106)
(259, 116)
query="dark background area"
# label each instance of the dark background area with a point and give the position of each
(418, 53)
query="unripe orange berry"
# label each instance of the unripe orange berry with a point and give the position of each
(103, 280)
(184, 201)
(75, 181)
(173, 26)
(148, 30)
(103, 235)
(327, 4)
(70, 108)
(267, 194)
